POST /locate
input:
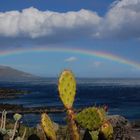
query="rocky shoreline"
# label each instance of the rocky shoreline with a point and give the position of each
(13, 108)
(8, 93)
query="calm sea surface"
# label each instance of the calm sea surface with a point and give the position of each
(121, 95)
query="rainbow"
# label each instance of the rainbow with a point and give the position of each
(99, 54)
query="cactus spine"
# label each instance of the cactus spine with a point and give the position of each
(48, 126)
(67, 91)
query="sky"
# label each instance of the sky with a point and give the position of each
(93, 38)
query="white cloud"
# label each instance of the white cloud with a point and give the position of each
(96, 64)
(122, 20)
(71, 59)
(32, 25)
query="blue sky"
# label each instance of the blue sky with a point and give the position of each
(99, 6)
(94, 25)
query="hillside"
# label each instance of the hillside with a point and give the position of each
(9, 73)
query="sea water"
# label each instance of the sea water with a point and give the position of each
(121, 95)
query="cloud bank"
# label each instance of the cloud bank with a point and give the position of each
(122, 20)
(32, 25)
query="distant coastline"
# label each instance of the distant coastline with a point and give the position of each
(9, 93)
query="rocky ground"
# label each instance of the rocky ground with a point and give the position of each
(123, 129)
(136, 129)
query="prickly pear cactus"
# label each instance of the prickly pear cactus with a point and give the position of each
(48, 127)
(91, 118)
(72, 125)
(102, 113)
(107, 131)
(67, 91)
(67, 88)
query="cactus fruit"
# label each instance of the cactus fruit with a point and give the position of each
(67, 91)
(107, 131)
(91, 118)
(67, 88)
(48, 127)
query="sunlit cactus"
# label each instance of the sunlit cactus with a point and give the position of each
(91, 118)
(48, 126)
(67, 91)
(67, 88)
(102, 113)
(72, 125)
(95, 121)
(107, 131)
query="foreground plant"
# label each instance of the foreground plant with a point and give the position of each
(23, 136)
(94, 120)
(16, 117)
(48, 127)
(67, 92)
(107, 130)
(3, 130)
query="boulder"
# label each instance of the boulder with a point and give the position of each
(122, 127)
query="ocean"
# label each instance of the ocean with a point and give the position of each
(121, 95)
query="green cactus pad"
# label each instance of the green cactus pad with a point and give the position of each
(102, 113)
(48, 127)
(67, 88)
(90, 118)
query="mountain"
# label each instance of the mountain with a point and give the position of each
(9, 73)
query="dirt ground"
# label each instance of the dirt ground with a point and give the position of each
(136, 133)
